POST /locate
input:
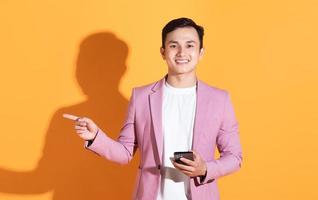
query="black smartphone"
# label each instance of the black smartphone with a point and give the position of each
(182, 154)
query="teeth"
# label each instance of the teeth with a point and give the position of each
(182, 61)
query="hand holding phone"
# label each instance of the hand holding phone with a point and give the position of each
(183, 154)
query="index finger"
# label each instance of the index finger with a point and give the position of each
(188, 162)
(71, 117)
(183, 166)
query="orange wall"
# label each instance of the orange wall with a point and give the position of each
(84, 57)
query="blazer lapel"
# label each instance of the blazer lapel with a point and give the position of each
(200, 114)
(156, 99)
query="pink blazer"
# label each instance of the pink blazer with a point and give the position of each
(215, 126)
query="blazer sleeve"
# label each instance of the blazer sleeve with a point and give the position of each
(228, 144)
(121, 150)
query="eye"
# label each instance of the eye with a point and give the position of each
(173, 46)
(190, 45)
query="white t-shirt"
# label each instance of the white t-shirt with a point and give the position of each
(178, 113)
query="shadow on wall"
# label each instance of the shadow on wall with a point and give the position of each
(72, 172)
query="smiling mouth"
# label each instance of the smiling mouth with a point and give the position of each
(182, 61)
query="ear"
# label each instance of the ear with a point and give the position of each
(162, 52)
(201, 53)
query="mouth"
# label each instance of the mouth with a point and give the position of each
(182, 61)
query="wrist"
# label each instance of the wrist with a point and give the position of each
(90, 141)
(95, 134)
(204, 171)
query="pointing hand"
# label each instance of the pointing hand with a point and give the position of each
(85, 127)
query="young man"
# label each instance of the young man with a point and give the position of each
(176, 113)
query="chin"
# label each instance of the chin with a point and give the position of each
(179, 72)
(181, 69)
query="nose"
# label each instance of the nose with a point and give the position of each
(180, 51)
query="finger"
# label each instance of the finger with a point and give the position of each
(78, 123)
(71, 117)
(80, 128)
(85, 120)
(183, 167)
(81, 131)
(195, 155)
(189, 162)
(187, 173)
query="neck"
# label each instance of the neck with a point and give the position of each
(182, 80)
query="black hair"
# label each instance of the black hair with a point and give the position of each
(180, 23)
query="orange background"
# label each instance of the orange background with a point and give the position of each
(83, 57)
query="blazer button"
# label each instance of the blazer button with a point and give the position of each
(159, 167)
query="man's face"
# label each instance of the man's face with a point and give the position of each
(182, 51)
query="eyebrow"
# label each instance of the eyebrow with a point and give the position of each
(175, 42)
